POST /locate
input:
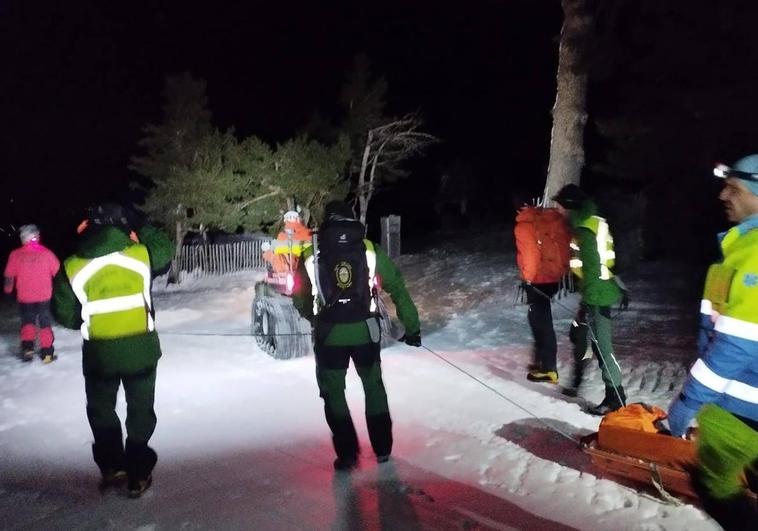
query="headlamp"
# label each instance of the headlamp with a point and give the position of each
(723, 171)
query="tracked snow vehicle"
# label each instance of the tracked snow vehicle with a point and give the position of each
(276, 324)
(278, 327)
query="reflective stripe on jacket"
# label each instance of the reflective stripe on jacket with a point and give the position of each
(727, 371)
(607, 256)
(114, 292)
(310, 268)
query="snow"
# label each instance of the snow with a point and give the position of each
(243, 443)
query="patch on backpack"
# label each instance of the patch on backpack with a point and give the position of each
(343, 274)
(750, 280)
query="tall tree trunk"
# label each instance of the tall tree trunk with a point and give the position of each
(174, 276)
(362, 186)
(570, 109)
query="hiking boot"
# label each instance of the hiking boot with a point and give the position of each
(27, 355)
(614, 399)
(573, 392)
(112, 478)
(543, 376)
(138, 487)
(345, 463)
(601, 409)
(382, 458)
(49, 358)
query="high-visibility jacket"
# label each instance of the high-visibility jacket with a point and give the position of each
(604, 248)
(104, 290)
(292, 239)
(593, 256)
(727, 371)
(114, 292)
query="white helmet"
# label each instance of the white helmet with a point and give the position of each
(28, 232)
(291, 216)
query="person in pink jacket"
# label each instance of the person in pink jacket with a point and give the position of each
(30, 270)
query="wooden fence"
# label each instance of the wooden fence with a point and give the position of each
(221, 258)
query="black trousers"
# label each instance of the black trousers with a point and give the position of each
(138, 459)
(331, 367)
(541, 322)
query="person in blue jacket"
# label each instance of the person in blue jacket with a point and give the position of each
(722, 388)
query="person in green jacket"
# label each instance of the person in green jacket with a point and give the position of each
(336, 290)
(592, 263)
(103, 289)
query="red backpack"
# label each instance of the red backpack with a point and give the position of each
(542, 244)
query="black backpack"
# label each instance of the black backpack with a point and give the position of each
(343, 272)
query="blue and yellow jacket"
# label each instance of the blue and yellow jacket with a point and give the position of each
(726, 373)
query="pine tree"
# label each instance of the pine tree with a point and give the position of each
(300, 172)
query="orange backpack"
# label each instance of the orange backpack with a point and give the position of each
(638, 416)
(542, 244)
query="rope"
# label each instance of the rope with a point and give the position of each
(655, 479)
(229, 334)
(501, 395)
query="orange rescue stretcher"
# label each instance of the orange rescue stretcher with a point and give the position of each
(644, 455)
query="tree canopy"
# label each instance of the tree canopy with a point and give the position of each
(202, 177)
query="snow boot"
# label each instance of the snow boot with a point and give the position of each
(346, 463)
(27, 350)
(380, 433)
(48, 355)
(108, 452)
(543, 376)
(140, 460)
(611, 402)
(382, 458)
(111, 478)
(137, 487)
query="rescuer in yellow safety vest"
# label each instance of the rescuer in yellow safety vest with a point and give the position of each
(103, 289)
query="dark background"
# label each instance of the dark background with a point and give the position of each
(83, 77)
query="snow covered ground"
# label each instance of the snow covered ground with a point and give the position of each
(243, 444)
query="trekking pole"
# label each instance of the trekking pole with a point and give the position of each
(594, 340)
(602, 357)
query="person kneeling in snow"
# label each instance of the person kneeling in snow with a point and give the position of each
(104, 289)
(336, 290)
(722, 388)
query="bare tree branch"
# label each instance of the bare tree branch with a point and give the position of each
(386, 147)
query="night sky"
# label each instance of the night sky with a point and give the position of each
(83, 77)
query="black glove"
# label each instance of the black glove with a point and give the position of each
(625, 300)
(413, 340)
